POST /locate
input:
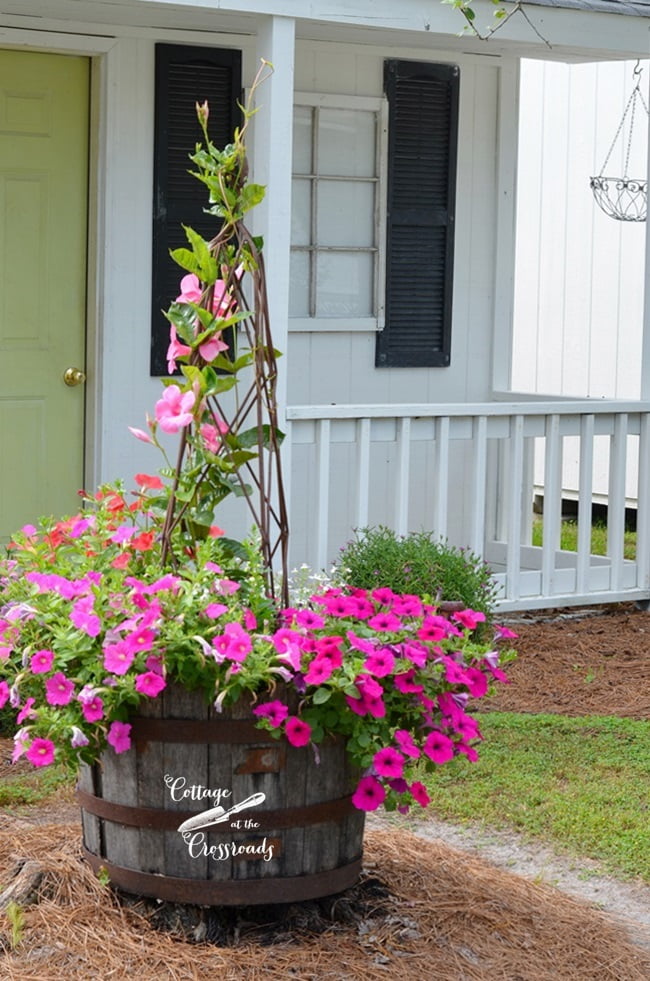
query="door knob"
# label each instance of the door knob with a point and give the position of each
(74, 376)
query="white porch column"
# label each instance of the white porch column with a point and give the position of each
(271, 166)
(645, 344)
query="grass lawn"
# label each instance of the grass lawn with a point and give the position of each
(580, 784)
(569, 537)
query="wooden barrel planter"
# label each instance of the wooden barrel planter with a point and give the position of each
(298, 835)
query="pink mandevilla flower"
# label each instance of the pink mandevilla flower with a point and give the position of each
(174, 409)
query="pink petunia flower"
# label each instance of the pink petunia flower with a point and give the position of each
(40, 752)
(93, 708)
(276, 712)
(173, 410)
(406, 744)
(119, 736)
(388, 762)
(380, 663)
(84, 618)
(59, 690)
(320, 669)
(149, 683)
(419, 793)
(117, 659)
(469, 618)
(438, 747)
(26, 712)
(369, 794)
(385, 623)
(4, 693)
(297, 732)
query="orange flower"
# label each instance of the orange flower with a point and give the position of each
(143, 542)
(149, 483)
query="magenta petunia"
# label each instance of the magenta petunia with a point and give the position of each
(469, 618)
(419, 793)
(369, 794)
(476, 682)
(4, 693)
(40, 752)
(92, 708)
(297, 732)
(149, 683)
(405, 683)
(119, 736)
(59, 690)
(276, 712)
(309, 619)
(320, 669)
(117, 659)
(406, 744)
(385, 623)
(26, 712)
(388, 762)
(438, 747)
(380, 663)
(41, 661)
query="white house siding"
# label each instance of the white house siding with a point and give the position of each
(579, 281)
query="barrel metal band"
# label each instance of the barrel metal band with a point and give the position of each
(232, 892)
(158, 819)
(198, 731)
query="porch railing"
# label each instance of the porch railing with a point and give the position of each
(465, 472)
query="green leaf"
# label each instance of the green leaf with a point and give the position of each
(321, 695)
(214, 383)
(206, 261)
(251, 437)
(186, 260)
(251, 195)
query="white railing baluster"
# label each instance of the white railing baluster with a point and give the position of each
(585, 491)
(552, 502)
(363, 471)
(494, 516)
(403, 471)
(616, 499)
(323, 492)
(643, 506)
(441, 463)
(515, 476)
(477, 519)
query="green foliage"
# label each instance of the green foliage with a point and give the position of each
(416, 564)
(16, 919)
(34, 786)
(569, 537)
(580, 784)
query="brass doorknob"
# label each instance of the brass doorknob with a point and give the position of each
(74, 376)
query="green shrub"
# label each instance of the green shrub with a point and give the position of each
(415, 563)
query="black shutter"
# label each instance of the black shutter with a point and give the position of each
(185, 75)
(422, 139)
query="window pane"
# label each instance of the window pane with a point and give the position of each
(302, 140)
(346, 143)
(299, 285)
(344, 283)
(301, 212)
(346, 213)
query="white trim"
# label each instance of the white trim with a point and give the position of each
(428, 410)
(301, 325)
(323, 100)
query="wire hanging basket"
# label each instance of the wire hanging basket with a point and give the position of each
(623, 198)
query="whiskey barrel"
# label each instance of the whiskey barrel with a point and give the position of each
(288, 831)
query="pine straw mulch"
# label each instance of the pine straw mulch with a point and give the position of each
(587, 662)
(422, 910)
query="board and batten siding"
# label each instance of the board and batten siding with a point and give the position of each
(579, 280)
(339, 366)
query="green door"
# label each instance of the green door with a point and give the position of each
(43, 232)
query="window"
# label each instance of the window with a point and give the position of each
(185, 75)
(422, 138)
(336, 216)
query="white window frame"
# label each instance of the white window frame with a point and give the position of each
(380, 107)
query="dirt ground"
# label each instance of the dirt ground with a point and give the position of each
(477, 904)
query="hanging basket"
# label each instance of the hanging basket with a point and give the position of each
(623, 198)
